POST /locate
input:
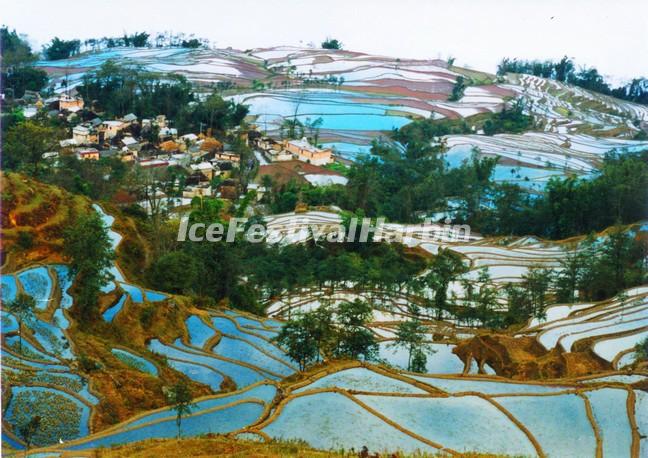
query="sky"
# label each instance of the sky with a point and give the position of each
(610, 35)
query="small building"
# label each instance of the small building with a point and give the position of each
(67, 142)
(167, 132)
(128, 155)
(182, 159)
(207, 169)
(69, 103)
(30, 111)
(129, 118)
(95, 122)
(305, 152)
(273, 150)
(84, 135)
(87, 154)
(267, 144)
(131, 143)
(110, 129)
(170, 147)
(189, 138)
(227, 156)
(199, 190)
(153, 163)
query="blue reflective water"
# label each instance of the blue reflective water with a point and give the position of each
(37, 283)
(135, 361)
(109, 314)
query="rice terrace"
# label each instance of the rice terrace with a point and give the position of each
(353, 229)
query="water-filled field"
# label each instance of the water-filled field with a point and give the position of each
(346, 404)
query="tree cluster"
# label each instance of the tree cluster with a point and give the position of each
(565, 71)
(17, 73)
(330, 331)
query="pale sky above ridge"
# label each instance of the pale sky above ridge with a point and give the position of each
(611, 35)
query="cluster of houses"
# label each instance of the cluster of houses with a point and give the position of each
(289, 150)
(33, 103)
(153, 144)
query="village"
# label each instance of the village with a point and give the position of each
(325, 240)
(155, 146)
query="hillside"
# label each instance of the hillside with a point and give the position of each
(355, 98)
(108, 376)
(34, 216)
(524, 336)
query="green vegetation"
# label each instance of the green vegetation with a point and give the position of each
(62, 49)
(458, 89)
(331, 43)
(407, 185)
(509, 120)
(179, 397)
(310, 335)
(641, 350)
(587, 77)
(611, 265)
(25, 144)
(411, 335)
(143, 39)
(60, 416)
(119, 90)
(28, 430)
(268, 270)
(17, 74)
(571, 206)
(89, 251)
(22, 307)
(446, 267)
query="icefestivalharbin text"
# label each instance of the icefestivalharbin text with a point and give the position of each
(357, 230)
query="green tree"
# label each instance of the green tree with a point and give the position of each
(411, 335)
(613, 263)
(16, 71)
(331, 43)
(482, 296)
(446, 267)
(419, 361)
(88, 247)
(537, 282)
(321, 327)
(458, 89)
(21, 79)
(14, 48)
(641, 350)
(25, 144)
(569, 276)
(354, 339)
(519, 308)
(28, 430)
(175, 272)
(22, 307)
(179, 397)
(62, 49)
(299, 342)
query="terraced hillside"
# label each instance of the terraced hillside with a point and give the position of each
(359, 96)
(602, 333)
(450, 409)
(354, 405)
(33, 218)
(570, 382)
